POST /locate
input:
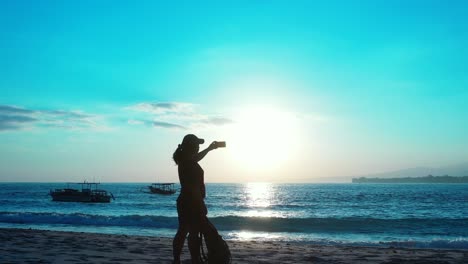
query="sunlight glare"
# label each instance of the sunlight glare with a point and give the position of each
(263, 138)
(249, 235)
(258, 196)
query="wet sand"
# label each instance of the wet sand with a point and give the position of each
(38, 246)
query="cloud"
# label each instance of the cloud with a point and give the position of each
(159, 108)
(136, 122)
(172, 114)
(14, 122)
(69, 119)
(219, 121)
(16, 118)
(7, 109)
(167, 125)
(155, 123)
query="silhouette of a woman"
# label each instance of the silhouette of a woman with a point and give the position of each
(191, 207)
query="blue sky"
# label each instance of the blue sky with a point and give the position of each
(107, 89)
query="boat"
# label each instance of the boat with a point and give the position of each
(162, 188)
(89, 193)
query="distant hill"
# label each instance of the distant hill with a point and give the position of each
(453, 170)
(426, 179)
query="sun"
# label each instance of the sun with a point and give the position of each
(263, 138)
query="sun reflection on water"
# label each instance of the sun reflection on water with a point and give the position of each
(248, 235)
(259, 197)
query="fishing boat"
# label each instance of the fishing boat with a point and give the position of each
(89, 193)
(162, 188)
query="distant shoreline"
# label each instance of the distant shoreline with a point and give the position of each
(425, 179)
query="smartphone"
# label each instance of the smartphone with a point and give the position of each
(221, 144)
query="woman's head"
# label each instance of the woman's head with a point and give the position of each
(189, 147)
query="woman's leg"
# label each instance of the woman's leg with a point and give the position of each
(197, 216)
(194, 246)
(178, 243)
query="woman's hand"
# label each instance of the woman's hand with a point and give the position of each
(200, 155)
(213, 145)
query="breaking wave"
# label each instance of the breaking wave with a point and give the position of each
(442, 226)
(331, 226)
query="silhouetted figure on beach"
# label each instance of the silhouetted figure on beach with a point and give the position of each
(191, 207)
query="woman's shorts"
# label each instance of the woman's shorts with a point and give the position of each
(191, 213)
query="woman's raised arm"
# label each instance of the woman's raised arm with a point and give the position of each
(200, 155)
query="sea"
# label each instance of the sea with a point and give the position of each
(384, 215)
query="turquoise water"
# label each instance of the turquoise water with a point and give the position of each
(410, 215)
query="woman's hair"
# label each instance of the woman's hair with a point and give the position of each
(183, 151)
(177, 156)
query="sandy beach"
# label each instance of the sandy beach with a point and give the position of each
(38, 246)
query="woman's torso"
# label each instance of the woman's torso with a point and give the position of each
(191, 177)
